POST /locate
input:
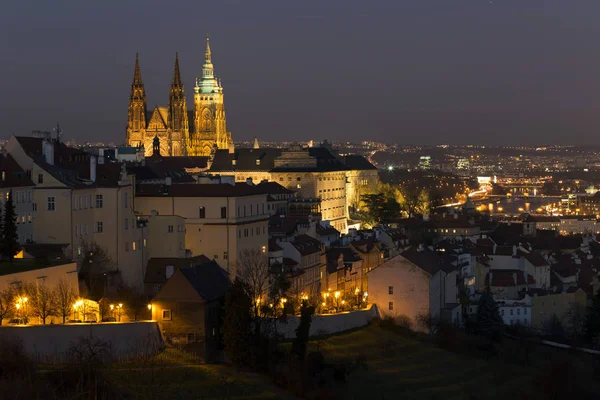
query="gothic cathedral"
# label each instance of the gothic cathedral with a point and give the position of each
(179, 131)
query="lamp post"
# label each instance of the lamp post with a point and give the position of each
(150, 309)
(337, 300)
(119, 310)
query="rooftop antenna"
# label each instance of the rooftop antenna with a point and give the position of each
(58, 132)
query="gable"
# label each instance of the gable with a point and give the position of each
(158, 120)
(178, 288)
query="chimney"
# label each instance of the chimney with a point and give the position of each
(491, 277)
(515, 278)
(514, 252)
(249, 182)
(425, 217)
(168, 181)
(93, 168)
(495, 247)
(48, 151)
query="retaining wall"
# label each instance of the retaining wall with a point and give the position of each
(327, 324)
(51, 343)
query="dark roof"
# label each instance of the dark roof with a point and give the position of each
(541, 218)
(272, 188)
(157, 267)
(506, 277)
(12, 174)
(307, 245)
(429, 261)
(327, 230)
(357, 162)
(245, 159)
(196, 190)
(178, 163)
(536, 259)
(24, 265)
(47, 251)
(208, 279)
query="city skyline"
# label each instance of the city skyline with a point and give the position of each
(466, 72)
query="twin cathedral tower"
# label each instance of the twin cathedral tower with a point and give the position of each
(181, 132)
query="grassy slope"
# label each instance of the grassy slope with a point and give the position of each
(399, 367)
(172, 375)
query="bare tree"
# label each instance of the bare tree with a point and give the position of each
(65, 296)
(7, 304)
(133, 302)
(42, 300)
(93, 263)
(253, 269)
(576, 316)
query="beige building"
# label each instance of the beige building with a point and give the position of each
(221, 220)
(77, 202)
(545, 306)
(314, 172)
(166, 236)
(414, 283)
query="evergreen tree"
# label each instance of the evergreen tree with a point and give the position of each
(489, 322)
(592, 323)
(10, 242)
(237, 329)
(303, 331)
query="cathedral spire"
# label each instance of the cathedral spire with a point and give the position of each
(207, 54)
(176, 75)
(137, 75)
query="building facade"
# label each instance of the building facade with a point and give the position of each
(180, 131)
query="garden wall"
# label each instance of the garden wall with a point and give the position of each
(51, 343)
(327, 324)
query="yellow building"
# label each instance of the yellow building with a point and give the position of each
(221, 220)
(180, 131)
(77, 202)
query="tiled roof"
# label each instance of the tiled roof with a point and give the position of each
(357, 162)
(429, 261)
(12, 174)
(307, 245)
(208, 279)
(157, 267)
(506, 278)
(536, 259)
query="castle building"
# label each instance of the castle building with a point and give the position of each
(180, 132)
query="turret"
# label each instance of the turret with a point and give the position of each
(178, 118)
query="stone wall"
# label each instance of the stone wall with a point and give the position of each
(327, 324)
(51, 343)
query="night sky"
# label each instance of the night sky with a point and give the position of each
(404, 71)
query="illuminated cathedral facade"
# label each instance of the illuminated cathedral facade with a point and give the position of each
(180, 132)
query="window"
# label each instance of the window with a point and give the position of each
(29, 217)
(133, 245)
(51, 203)
(511, 311)
(170, 228)
(390, 290)
(145, 243)
(202, 212)
(240, 234)
(74, 203)
(126, 246)
(125, 200)
(166, 315)
(524, 311)
(34, 207)
(76, 230)
(99, 227)
(225, 255)
(391, 305)
(40, 178)
(518, 311)
(191, 337)
(99, 201)
(223, 212)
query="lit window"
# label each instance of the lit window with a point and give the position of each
(133, 245)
